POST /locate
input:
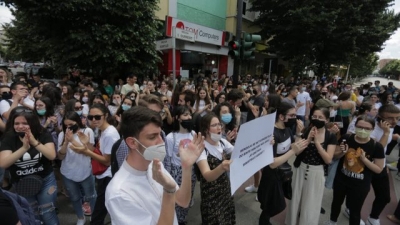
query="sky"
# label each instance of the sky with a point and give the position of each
(391, 47)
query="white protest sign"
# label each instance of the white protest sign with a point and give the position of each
(253, 150)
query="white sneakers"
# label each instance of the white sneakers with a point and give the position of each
(346, 213)
(251, 189)
(329, 222)
(81, 222)
(371, 221)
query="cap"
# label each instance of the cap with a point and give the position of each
(325, 103)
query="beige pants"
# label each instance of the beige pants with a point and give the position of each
(308, 189)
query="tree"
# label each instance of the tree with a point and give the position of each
(360, 66)
(392, 68)
(104, 36)
(325, 32)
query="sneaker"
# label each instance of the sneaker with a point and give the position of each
(251, 189)
(256, 198)
(86, 209)
(81, 222)
(397, 176)
(329, 222)
(392, 166)
(346, 213)
(371, 221)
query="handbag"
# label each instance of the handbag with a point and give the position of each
(97, 167)
(285, 172)
(29, 185)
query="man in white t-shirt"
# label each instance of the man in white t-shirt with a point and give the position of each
(130, 86)
(19, 91)
(142, 191)
(303, 112)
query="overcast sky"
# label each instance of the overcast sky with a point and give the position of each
(391, 46)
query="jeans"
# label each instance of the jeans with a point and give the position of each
(75, 193)
(44, 203)
(99, 212)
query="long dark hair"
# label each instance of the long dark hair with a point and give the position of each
(30, 116)
(49, 106)
(71, 115)
(178, 111)
(282, 109)
(274, 101)
(70, 105)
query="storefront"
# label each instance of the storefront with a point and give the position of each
(206, 53)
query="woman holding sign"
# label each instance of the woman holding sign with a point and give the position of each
(274, 176)
(217, 206)
(309, 175)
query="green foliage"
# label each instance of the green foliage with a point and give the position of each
(104, 36)
(363, 65)
(325, 32)
(392, 68)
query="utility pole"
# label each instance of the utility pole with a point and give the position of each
(236, 68)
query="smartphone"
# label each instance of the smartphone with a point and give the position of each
(378, 119)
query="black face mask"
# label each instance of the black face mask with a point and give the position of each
(74, 128)
(6, 95)
(187, 124)
(290, 122)
(318, 123)
(255, 92)
(324, 93)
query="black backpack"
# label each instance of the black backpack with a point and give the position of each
(114, 161)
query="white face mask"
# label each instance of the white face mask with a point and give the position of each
(153, 152)
(215, 137)
(116, 101)
(77, 97)
(85, 99)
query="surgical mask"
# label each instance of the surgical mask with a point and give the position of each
(187, 124)
(153, 152)
(79, 112)
(291, 122)
(77, 97)
(226, 118)
(116, 101)
(215, 137)
(362, 133)
(41, 112)
(85, 99)
(125, 107)
(284, 93)
(303, 88)
(318, 123)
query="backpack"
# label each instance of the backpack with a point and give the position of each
(114, 161)
(25, 212)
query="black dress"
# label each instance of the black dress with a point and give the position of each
(270, 192)
(217, 206)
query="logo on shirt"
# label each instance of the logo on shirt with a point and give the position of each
(27, 163)
(352, 164)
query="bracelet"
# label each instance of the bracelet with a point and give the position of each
(38, 143)
(170, 191)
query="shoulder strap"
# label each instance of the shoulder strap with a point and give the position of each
(114, 162)
(9, 101)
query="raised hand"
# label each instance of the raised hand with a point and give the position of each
(344, 147)
(231, 134)
(69, 135)
(385, 126)
(312, 134)
(161, 177)
(299, 146)
(83, 137)
(226, 164)
(300, 126)
(78, 149)
(190, 152)
(25, 142)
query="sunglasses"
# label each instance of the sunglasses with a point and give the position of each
(96, 117)
(23, 110)
(79, 108)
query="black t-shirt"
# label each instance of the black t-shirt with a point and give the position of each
(311, 156)
(32, 162)
(256, 101)
(351, 170)
(283, 140)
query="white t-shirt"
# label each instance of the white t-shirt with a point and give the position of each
(5, 105)
(173, 148)
(352, 126)
(75, 166)
(127, 88)
(85, 109)
(134, 197)
(378, 105)
(360, 98)
(167, 93)
(113, 109)
(108, 137)
(216, 151)
(303, 98)
(378, 133)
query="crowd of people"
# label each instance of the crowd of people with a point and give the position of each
(138, 151)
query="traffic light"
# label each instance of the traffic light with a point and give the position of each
(234, 49)
(248, 46)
